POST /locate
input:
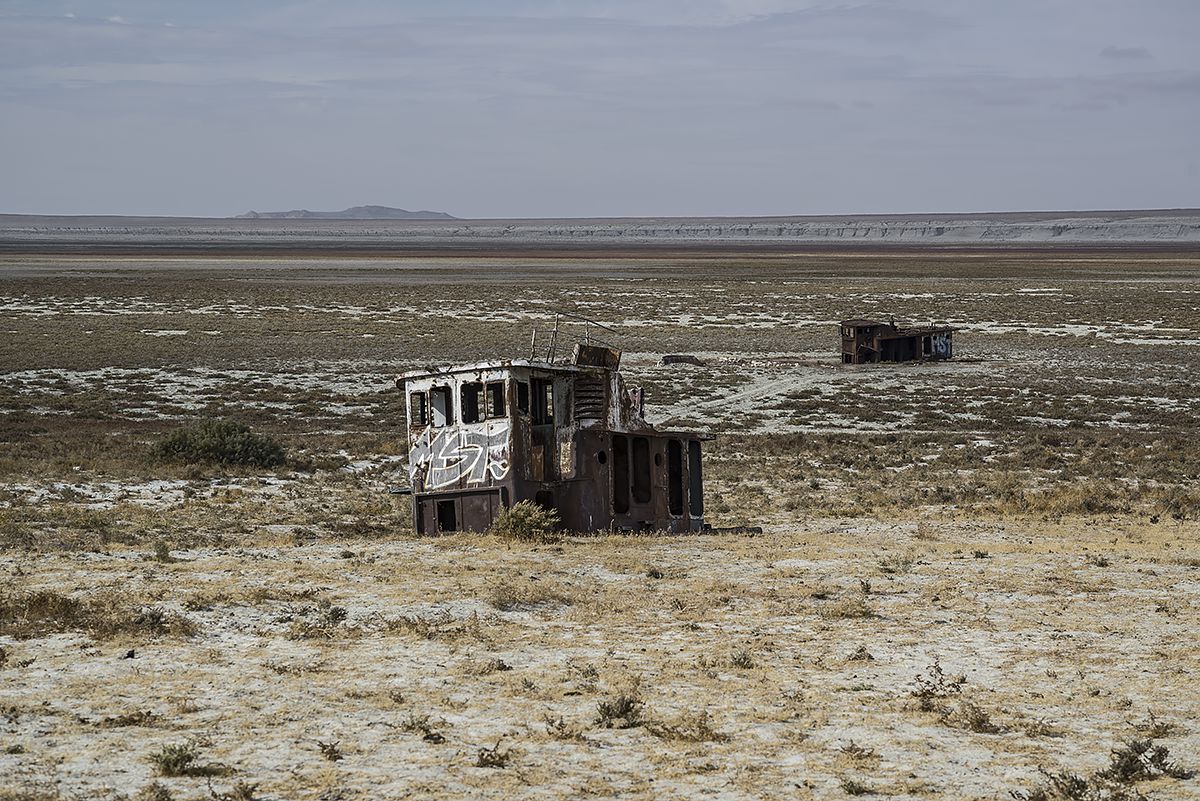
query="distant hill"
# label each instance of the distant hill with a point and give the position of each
(355, 213)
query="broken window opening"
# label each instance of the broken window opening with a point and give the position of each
(447, 516)
(675, 476)
(472, 402)
(440, 400)
(418, 409)
(695, 480)
(620, 475)
(543, 401)
(523, 397)
(641, 470)
(495, 399)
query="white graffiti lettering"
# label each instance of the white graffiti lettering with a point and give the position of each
(442, 457)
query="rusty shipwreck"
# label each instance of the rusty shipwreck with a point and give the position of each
(567, 435)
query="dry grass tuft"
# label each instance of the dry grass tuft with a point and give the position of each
(691, 727)
(104, 614)
(529, 593)
(439, 625)
(849, 604)
(526, 521)
(972, 717)
(154, 791)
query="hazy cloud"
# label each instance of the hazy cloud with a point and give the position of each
(548, 107)
(1125, 53)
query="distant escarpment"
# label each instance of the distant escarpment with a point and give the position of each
(366, 228)
(353, 213)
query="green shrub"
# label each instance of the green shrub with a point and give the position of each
(221, 442)
(528, 522)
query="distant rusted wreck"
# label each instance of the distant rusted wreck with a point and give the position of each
(868, 341)
(567, 435)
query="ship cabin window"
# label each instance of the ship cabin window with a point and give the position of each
(495, 399)
(641, 470)
(442, 404)
(418, 409)
(620, 479)
(543, 401)
(523, 397)
(472, 402)
(695, 480)
(675, 477)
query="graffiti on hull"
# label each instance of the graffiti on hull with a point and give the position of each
(939, 346)
(442, 457)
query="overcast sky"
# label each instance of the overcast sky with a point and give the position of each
(536, 108)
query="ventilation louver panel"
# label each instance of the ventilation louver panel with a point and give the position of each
(591, 397)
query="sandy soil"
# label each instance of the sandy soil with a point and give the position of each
(781, 666)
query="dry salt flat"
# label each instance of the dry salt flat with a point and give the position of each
(787, 665)
(1023, 518)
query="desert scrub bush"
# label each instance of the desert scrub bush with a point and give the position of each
(971, 717)
(528, 522)
(154, 791)
(182, 759)
(326, 622)
(240, 791)
(691, 727)
(419, 724)
(140, 717)
(932, 689)
(742, 659)
(1067, 786)
(1153, 728)
(852, 786)
(856, 754)
(559, 729)
(486, 667)
(40, 612)
(897, 564)
(1135, 761)
(493, 757)
(622, 710)
(1142, 759)
(223, 442)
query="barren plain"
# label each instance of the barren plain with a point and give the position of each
(976, 578)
